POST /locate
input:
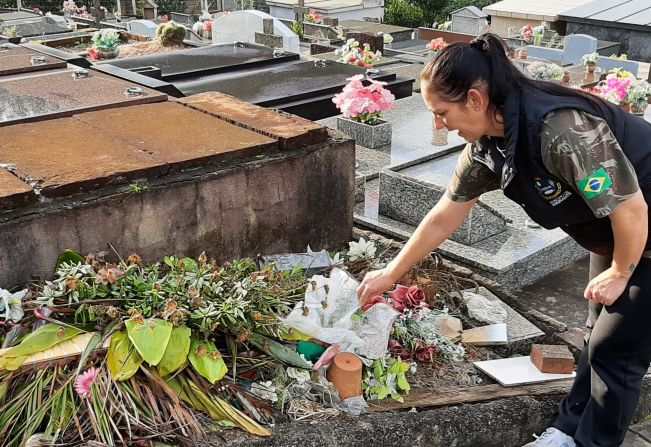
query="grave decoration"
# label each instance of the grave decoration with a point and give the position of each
(11, 34)
(134, 353)
(622, 88)
(170, 34)
(589, 61)
(203, 27)
(362, 106)
(105, 44)
(545, 71)
(313, 17)
(436, 45)
(351, 53)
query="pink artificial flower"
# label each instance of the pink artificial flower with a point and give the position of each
(407, 298)
(85, 381)
(527, 33)
(437, 44)
(37, 11)
(165, 18)
(207, 25)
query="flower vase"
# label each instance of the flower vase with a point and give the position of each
(591, 67)
(523, 53)
(638, 108)
(108, 52)
(566, 77)
(370, 136)
(439, 136)
(345, 373)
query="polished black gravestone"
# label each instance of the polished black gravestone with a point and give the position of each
(304, 88)
(211, 59)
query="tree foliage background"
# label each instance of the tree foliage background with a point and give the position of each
(415, 13)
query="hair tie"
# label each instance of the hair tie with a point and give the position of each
(480, 44)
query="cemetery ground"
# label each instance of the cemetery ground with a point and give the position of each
(169, 344)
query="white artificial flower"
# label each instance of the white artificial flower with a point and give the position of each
(388, 38)
(11, 307)
(362, 249)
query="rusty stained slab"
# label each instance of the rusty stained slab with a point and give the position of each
(48, 95)
(180, 136)
(290, 130)
(65, 156)
(14, 193)
(16, 59)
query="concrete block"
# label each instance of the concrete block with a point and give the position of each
(552, 359)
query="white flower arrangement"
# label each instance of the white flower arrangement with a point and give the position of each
(542, 71)
(639, 91)
(589, 59)
(106, 38)
(361, 250)
(388, 38)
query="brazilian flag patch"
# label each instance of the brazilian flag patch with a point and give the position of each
(595, 184)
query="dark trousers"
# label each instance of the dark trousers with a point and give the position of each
(615, 358)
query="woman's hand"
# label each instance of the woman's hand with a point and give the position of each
(606, 287)
(375, 283)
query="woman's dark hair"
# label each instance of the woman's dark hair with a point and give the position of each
(484, 62)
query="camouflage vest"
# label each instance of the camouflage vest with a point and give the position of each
(547, 200)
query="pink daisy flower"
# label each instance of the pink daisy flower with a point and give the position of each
(85, 381)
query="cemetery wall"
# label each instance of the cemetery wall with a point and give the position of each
(635, 43)
(270, 205)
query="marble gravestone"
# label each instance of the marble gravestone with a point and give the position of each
(249, 26)
(576, 45)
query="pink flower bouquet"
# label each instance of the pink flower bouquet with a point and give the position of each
(527, 33)
(364, 103)
(313, 17)
(437, 44)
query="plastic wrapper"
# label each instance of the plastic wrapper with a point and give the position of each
(354, 406)
(328, 313)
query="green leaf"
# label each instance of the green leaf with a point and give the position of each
(377, 370)
(398, 397)
(402, 382)
(190, 264)
(40, 340)
(122, 359)
(69, 257)
(383, 393)
(206, 360)
(176, 353)
(150, 337)
(278, 351)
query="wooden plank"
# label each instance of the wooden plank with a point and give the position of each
(466, 395)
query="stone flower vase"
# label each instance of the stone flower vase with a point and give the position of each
(638, 108)
(591, 67)
(439, 136)
(523, 53)
(364, 134)
(108, 52)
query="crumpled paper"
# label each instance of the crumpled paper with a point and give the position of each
(328, 314)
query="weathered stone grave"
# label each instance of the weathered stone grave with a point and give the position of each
(90, 160)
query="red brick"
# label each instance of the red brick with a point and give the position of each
(554, 359)
(291, 131)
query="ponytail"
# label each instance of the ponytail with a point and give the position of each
(485, 63)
